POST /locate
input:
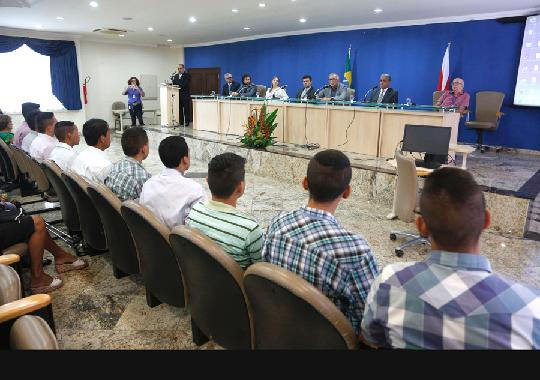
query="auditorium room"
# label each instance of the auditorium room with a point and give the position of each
(269, 175)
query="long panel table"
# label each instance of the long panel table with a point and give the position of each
(374, 130)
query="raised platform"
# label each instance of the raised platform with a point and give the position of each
(502, 174)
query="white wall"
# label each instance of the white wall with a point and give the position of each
(111, 65)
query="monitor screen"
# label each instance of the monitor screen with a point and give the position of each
(527, 92)
(426, 139)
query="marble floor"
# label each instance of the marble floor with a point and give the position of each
(93, 310)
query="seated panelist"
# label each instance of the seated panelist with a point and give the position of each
(455, 98)
(383, 93)
(334, 90)
(230, 85)
(247, 90)
(307, 92)
(276, 91)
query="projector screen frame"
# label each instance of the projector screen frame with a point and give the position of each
(522, 20)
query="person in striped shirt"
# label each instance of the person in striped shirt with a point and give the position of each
(218, 218)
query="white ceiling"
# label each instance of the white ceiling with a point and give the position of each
(216, 21)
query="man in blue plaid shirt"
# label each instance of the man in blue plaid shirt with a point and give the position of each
(128, 176)
(452, 300)
(311, 243)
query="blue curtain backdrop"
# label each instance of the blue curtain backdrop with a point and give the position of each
(64, 71)
(484, 53)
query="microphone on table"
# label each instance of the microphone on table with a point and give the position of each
(322, 88)
(283, 87)
(368, 91)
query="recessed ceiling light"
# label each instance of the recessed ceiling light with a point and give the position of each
(150, 29)
(127, 18)
(60, 18)
(93, 4)
(262, 5)
(39, 26)
(377, 10)
(247, 28)
(235, 10)
(121, 35)
(192, 19)
(169, 40)
(302, 20)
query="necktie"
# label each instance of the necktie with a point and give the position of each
(229, 88)
(381, 95)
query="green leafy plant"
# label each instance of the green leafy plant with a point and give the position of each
(259, 129)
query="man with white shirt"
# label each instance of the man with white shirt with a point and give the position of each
(384, 93)
(45, 141)
(32, 134)
(170, 195)
(63, 153)
(93, 163)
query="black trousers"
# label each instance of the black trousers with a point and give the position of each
(185, 109)
(136, 112)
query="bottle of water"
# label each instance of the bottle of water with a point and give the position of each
(345, 83)
(409, 101)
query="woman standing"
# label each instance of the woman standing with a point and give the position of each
(276, 92)
(134, 93)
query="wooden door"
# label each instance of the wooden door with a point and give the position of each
(204, 81)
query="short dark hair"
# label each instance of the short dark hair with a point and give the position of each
(225, 172)
(27, 107)
(136, 81)
(133, 139)
(171, 151)
(245, 76)
(307, 77)
(62, 128)
(93, 129)
(328, 175)
(453, 207)
(4, 121)
(43, 119)
(31, 118)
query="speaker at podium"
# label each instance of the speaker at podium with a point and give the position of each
(168, 99)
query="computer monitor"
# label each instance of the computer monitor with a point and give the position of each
(429, 139)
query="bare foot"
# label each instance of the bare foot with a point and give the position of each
(43, 280)
(64, 258)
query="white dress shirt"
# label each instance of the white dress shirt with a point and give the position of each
(28, 140)
(277, 93)
(170, 196)
(381, 94)
(42, 146)
(93, 164)
(63, 155)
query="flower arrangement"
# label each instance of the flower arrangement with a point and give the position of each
(259, 129)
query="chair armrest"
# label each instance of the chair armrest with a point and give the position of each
(366, 343)
(23, 306)
(9, 259)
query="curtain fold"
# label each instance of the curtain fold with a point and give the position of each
(64, 70)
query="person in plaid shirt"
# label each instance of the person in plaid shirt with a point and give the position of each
(452, 300)
(311, 243)
(128, 176)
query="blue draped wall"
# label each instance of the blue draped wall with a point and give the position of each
(484, 53)
(64, 71)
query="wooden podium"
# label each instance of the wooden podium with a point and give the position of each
(169, 103)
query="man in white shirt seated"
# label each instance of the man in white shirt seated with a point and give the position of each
(93, 163)
(170, 195)
(63, 153)
(45, 141)
(30, 136)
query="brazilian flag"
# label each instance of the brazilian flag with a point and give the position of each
(348, 71)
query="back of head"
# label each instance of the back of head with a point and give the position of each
(43, 120)
(31, 119)
(133, 139)
(62, 128)
(93, 129)
(171, 151)
(4, 121)
(453, 208)
(328, 175)
(27, 107)
(225, 172)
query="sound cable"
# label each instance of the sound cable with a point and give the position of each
(308, 145)
(347, 130)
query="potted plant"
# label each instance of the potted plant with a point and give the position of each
(259, 129)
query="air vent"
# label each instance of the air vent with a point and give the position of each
(15, 3)
(109, 31)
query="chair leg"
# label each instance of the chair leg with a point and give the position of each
(151, 300)
(118, 274)
(198, 336)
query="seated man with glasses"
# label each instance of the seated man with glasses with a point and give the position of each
(334, 90)
(384, 93)
(456, 98)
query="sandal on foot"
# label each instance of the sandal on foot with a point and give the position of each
(55, 284)
(77, 264)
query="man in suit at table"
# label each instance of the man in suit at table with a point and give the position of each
(384, 93)
(307, 92)
(182, 79)
(230, 85)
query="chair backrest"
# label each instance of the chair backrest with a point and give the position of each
(488, 105)
(31, 332)
(119, 106)
(10, 285)
(436, 96)
(21, 162)
(214, 281)
(406, 188)
(350, 93)
(36, 173)
(290, 313)
(261, 90)
(158, 265)
(7, 154)
(119, 240)
(90, 222)
(70, 215)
